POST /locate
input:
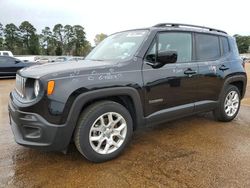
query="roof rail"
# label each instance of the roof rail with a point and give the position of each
(187, 25)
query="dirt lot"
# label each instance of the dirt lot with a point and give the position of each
(191, 152)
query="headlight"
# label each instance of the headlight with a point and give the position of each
(36, 88)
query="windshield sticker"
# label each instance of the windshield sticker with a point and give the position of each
(136, 34)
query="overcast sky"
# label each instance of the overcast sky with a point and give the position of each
(109, 16)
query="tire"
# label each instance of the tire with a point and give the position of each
(227, 112)
(103, 131)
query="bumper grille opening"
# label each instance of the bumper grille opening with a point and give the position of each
(31, 132)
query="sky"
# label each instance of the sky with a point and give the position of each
(109, 16)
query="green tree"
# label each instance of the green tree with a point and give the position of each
(1, 37)
(12, 38)
(99, 37)
(58, 35)
(243, 43)
(29, 38)
(68, 39)
(47, 42)
(79, 40)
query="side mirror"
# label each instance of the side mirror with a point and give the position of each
(166, 57)
(163, 58)
(17, 61)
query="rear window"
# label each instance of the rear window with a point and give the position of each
(207, 47)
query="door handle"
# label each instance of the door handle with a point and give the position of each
(223, 68)
(190, 72)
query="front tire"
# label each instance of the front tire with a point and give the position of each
(103, 130)
(229, 104)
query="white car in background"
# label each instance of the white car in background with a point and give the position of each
(6, 53)
(28, 58)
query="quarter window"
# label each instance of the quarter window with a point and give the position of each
(224, 45)
(207, 47)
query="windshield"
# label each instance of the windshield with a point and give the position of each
(119, 46)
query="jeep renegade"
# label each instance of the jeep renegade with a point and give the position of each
(131, 79)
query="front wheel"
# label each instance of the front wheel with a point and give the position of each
(103, 130)
(229, 104)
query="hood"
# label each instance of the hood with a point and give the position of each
(38, 71)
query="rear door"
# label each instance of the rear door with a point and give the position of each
(211, 66)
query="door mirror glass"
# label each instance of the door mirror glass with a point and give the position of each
(166, 57)
(162, 58)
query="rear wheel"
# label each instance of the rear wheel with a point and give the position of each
(229, 104)
(103, 130)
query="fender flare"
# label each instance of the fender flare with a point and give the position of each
(84, 98)
(235, 78)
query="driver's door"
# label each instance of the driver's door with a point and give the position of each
(171, 87)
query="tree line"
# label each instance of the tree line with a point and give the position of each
(243, 43)
(60, 40)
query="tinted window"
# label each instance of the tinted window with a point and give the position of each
(180, 42)
(207, 47)
(5, 53)
(224, 45)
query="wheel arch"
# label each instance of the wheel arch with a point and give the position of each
(126, 96)
(240, 81)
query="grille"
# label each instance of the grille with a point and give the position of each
(20, 85)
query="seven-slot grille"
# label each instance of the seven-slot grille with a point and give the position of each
(20, 85)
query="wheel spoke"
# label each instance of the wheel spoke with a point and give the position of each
(121, 127)
(115, 144)
(96, 129)
(227, 110)
(102, 121)
(115, 122)
(95, 138)
(118, 134)
(106, 148)
(99, 144)
(110, 118)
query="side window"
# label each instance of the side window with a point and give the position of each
(5, 54)
(207, 47)
(180, 42)
(169, 41)
(224, 45)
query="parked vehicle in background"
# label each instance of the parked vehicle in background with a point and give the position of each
(43, 60)
(6, 53)
(10, 65)
(28, 58)
(131, 79)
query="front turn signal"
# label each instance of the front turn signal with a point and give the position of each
(50, 87)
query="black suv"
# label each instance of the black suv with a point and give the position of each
(133, 78)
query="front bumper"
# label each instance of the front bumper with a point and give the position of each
(32, 130)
